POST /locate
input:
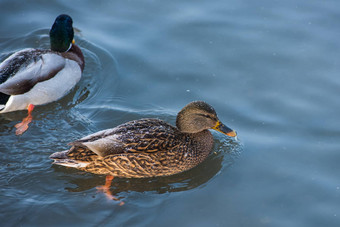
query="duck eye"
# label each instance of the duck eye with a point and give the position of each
(205, 115)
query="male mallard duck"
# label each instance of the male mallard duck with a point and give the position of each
(147, 147)
(35, 77)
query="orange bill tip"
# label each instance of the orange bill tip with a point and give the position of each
(232, 133)
(224, 129)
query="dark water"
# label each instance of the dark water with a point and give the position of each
(271, 69)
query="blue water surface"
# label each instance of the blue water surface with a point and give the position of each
(271, 69)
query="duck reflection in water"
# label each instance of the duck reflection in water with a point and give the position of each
(226, 151)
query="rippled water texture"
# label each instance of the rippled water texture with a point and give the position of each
(270, 69)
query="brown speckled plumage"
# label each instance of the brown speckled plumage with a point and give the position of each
(146, 147)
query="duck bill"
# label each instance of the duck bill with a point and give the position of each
(224, 129)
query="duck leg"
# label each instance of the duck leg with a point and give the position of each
(23, 126)
(106, 189)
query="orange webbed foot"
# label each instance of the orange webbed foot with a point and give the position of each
(106, 189)
(23, 126)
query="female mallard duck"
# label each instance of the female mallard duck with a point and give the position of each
(147, 147)
(35, 77)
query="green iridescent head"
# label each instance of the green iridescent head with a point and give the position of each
(61, 33)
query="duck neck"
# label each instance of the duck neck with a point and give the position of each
(204, 141)
(75, 54)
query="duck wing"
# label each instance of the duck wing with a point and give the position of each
(24, 69)
(140, 136)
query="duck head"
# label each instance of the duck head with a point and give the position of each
(198, 116)
(61, 33)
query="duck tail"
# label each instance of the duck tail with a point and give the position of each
(66, 158)
(3, 100)
(59, 155)
(70, 163)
